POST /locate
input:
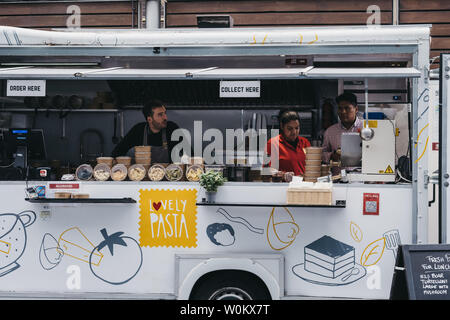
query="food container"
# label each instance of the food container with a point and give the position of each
(313, 156)
(136, 172)
(196, 160)
(106, 160)
(102, 172)
(63, 195)
(277, 176)
(255, 175)
(174, 172)
(156, 172)
(124, 160)
(312, 170)
(84, 172)
(314, 153)
(325, 170)
(309, 196)
(287, 177)
(313, 163)
(119, 172)
(316, 150)
(144, 149)
(237, 173)
(215, 167)
(80, 196)
(143, 161)
(194, 172)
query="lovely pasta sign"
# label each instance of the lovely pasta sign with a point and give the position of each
(168, 218)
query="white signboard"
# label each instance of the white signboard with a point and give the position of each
(240, 89)
(25, 88)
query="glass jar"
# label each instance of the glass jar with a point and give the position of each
(194, 172)
(156, 172)
(174, 172)
(136, 172)
(84, 172)
(119, 172)
(102, 172)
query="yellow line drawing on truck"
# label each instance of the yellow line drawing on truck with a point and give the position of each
(5, 247)
(426, 143)
(283, 233)
(355, 232)
(316, 38)
(76, 245)
(372, 253)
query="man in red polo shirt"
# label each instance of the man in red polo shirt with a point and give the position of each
(288, 146)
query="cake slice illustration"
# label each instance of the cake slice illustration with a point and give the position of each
(329, 262)
(329, 257)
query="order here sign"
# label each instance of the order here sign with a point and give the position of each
(25, 88)
(240, 89)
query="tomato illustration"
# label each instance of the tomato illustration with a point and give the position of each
(122, 258)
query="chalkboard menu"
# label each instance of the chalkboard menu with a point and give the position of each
(422, 272)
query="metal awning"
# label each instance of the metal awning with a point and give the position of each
(213, 73)
(253, 73)
(117, 73)
(339, 73)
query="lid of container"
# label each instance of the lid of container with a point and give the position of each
(136, 172)
(174, 172)
(193, 172)
(104, 168)
(152, 170)
(84, 172)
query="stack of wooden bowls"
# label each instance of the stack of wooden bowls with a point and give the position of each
(313, 165)
(325, 170)
(125, 160)
(142, 155)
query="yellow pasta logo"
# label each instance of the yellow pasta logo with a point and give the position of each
(168, 218)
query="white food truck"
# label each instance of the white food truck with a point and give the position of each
(160, 240)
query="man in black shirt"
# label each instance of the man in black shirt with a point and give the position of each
(155, 132)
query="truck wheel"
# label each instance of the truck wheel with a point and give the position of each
(230, 285)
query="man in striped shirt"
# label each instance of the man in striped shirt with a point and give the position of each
(348, 122)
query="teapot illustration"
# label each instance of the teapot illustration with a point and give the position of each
(13, 238)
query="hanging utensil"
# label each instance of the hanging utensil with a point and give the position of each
(115, 139)
(264, 122)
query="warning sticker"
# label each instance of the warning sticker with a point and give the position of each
(388, 170)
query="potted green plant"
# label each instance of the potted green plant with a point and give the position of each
(210, 181)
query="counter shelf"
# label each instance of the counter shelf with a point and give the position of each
(81, 200)
(285, 205)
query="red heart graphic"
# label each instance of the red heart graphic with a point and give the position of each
(157, 205)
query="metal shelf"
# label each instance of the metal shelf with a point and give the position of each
(243, 204)
(58, 110)
(88, 200)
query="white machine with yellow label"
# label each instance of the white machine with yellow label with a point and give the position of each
(378, 153)
(375, 156)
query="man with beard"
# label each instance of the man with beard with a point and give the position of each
(155, 132)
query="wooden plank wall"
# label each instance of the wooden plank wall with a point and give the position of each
(48, 15)
(250, 13)
(435, 12)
